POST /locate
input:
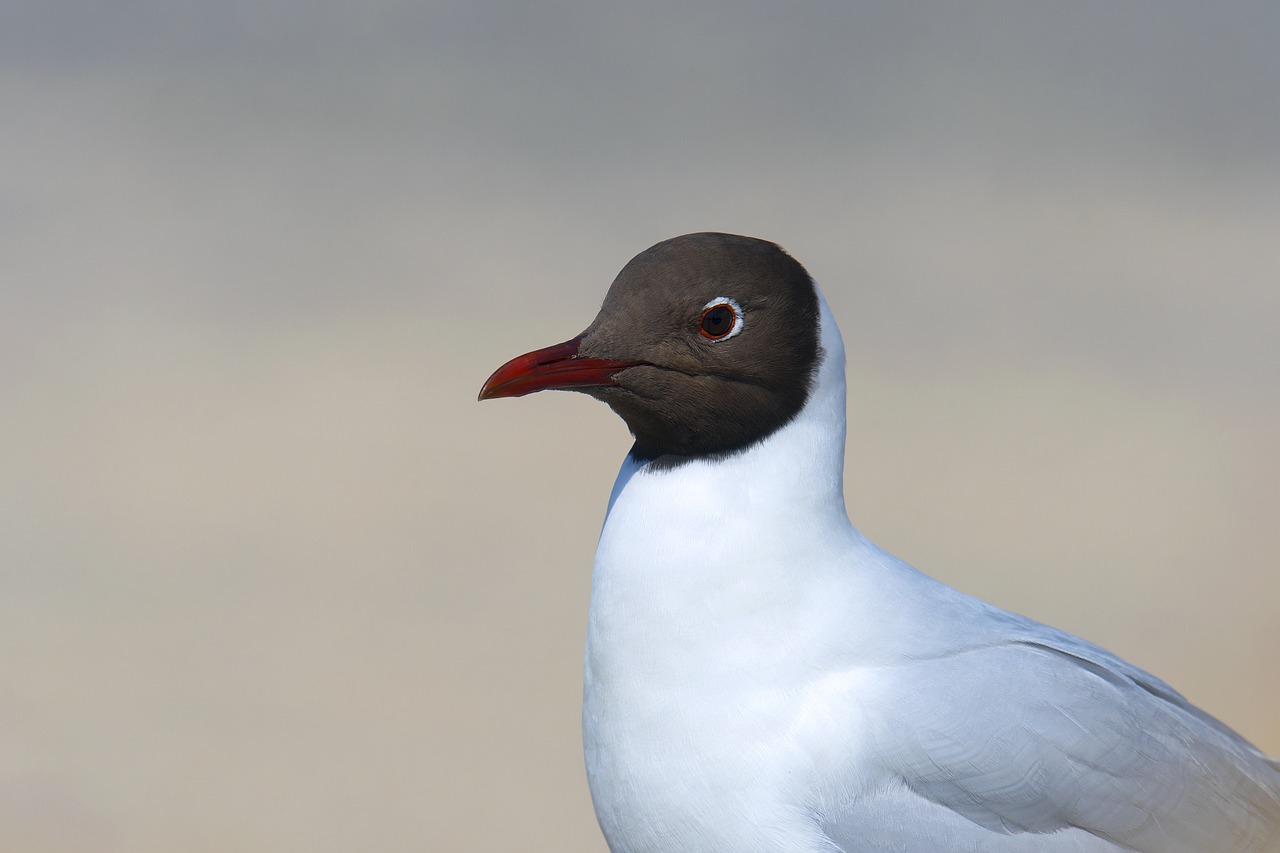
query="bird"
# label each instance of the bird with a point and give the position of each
(759, 676)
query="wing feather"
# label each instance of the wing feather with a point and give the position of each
(1044, 733)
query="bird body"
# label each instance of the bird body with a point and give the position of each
(761, 677)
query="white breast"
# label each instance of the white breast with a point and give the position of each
(760, 677)
(707, 710)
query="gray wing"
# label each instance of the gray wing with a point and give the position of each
(1045, 742)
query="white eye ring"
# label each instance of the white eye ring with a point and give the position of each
(726, 302)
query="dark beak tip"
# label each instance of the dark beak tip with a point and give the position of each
(492, 391)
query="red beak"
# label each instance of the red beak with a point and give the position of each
(557, 367)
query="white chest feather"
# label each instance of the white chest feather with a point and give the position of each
(714, 584)
(759, 677)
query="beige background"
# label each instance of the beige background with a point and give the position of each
(271, 580)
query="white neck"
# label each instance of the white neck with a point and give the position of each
(709, 576)
(796, 470)
(707, 541)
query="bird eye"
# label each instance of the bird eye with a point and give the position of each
(721, 319)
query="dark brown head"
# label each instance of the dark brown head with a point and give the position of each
(705, 344)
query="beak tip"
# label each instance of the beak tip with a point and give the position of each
(551, 368)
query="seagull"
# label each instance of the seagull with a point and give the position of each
(761, 677)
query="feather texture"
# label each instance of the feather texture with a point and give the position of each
(761, 677)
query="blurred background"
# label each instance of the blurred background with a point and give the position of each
(272, 580)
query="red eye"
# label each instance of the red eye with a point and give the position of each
(717, 322)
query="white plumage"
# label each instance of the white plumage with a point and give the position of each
(759, 676)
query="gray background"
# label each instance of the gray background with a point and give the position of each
(271, 580)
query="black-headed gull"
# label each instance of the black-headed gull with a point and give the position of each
(760, 677)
